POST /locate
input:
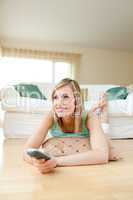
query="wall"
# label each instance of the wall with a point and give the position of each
(106, 66)
(0, 52)
(98, 66)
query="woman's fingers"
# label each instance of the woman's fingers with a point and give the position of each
(44, 171)
(103, 100)
(45, 166)
(38, 161)
(51, 162)
(101, 104)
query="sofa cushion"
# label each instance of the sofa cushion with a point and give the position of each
(29, 90)
(117, 93)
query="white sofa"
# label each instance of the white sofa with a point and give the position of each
(23, 115)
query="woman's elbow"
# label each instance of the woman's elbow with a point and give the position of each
(104, 160)
(103, 157)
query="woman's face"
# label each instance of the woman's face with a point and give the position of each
(64, 101)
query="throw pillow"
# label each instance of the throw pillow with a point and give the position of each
(117, 93)
(29, 90)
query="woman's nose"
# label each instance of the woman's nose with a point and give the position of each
(60, 101)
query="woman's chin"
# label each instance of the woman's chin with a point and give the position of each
(62, 114)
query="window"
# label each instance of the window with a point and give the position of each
(33, 70)
(62, 70)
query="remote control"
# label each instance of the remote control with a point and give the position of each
(38, 154)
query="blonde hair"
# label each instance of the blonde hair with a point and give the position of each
(78, 100)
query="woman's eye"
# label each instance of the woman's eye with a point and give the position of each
(55, 97)
(65, 96)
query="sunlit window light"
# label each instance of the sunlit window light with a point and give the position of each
(32, 70)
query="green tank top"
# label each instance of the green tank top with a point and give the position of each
(57, 132)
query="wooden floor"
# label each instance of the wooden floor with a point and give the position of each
(20, 181)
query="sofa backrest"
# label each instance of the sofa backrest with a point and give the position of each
(93, 91)
(89, 91)
(45, 88)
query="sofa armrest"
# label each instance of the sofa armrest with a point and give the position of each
(7, 94)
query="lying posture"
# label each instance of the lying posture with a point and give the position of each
(71, 135)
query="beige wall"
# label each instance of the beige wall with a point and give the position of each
(0, 51)
(104, 66)
(97, 66)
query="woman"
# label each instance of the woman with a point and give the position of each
(71, 135)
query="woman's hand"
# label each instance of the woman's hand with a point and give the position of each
(44, 166)
(101, 105)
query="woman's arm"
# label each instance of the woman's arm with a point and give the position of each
(37, 139)
(99, 147)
